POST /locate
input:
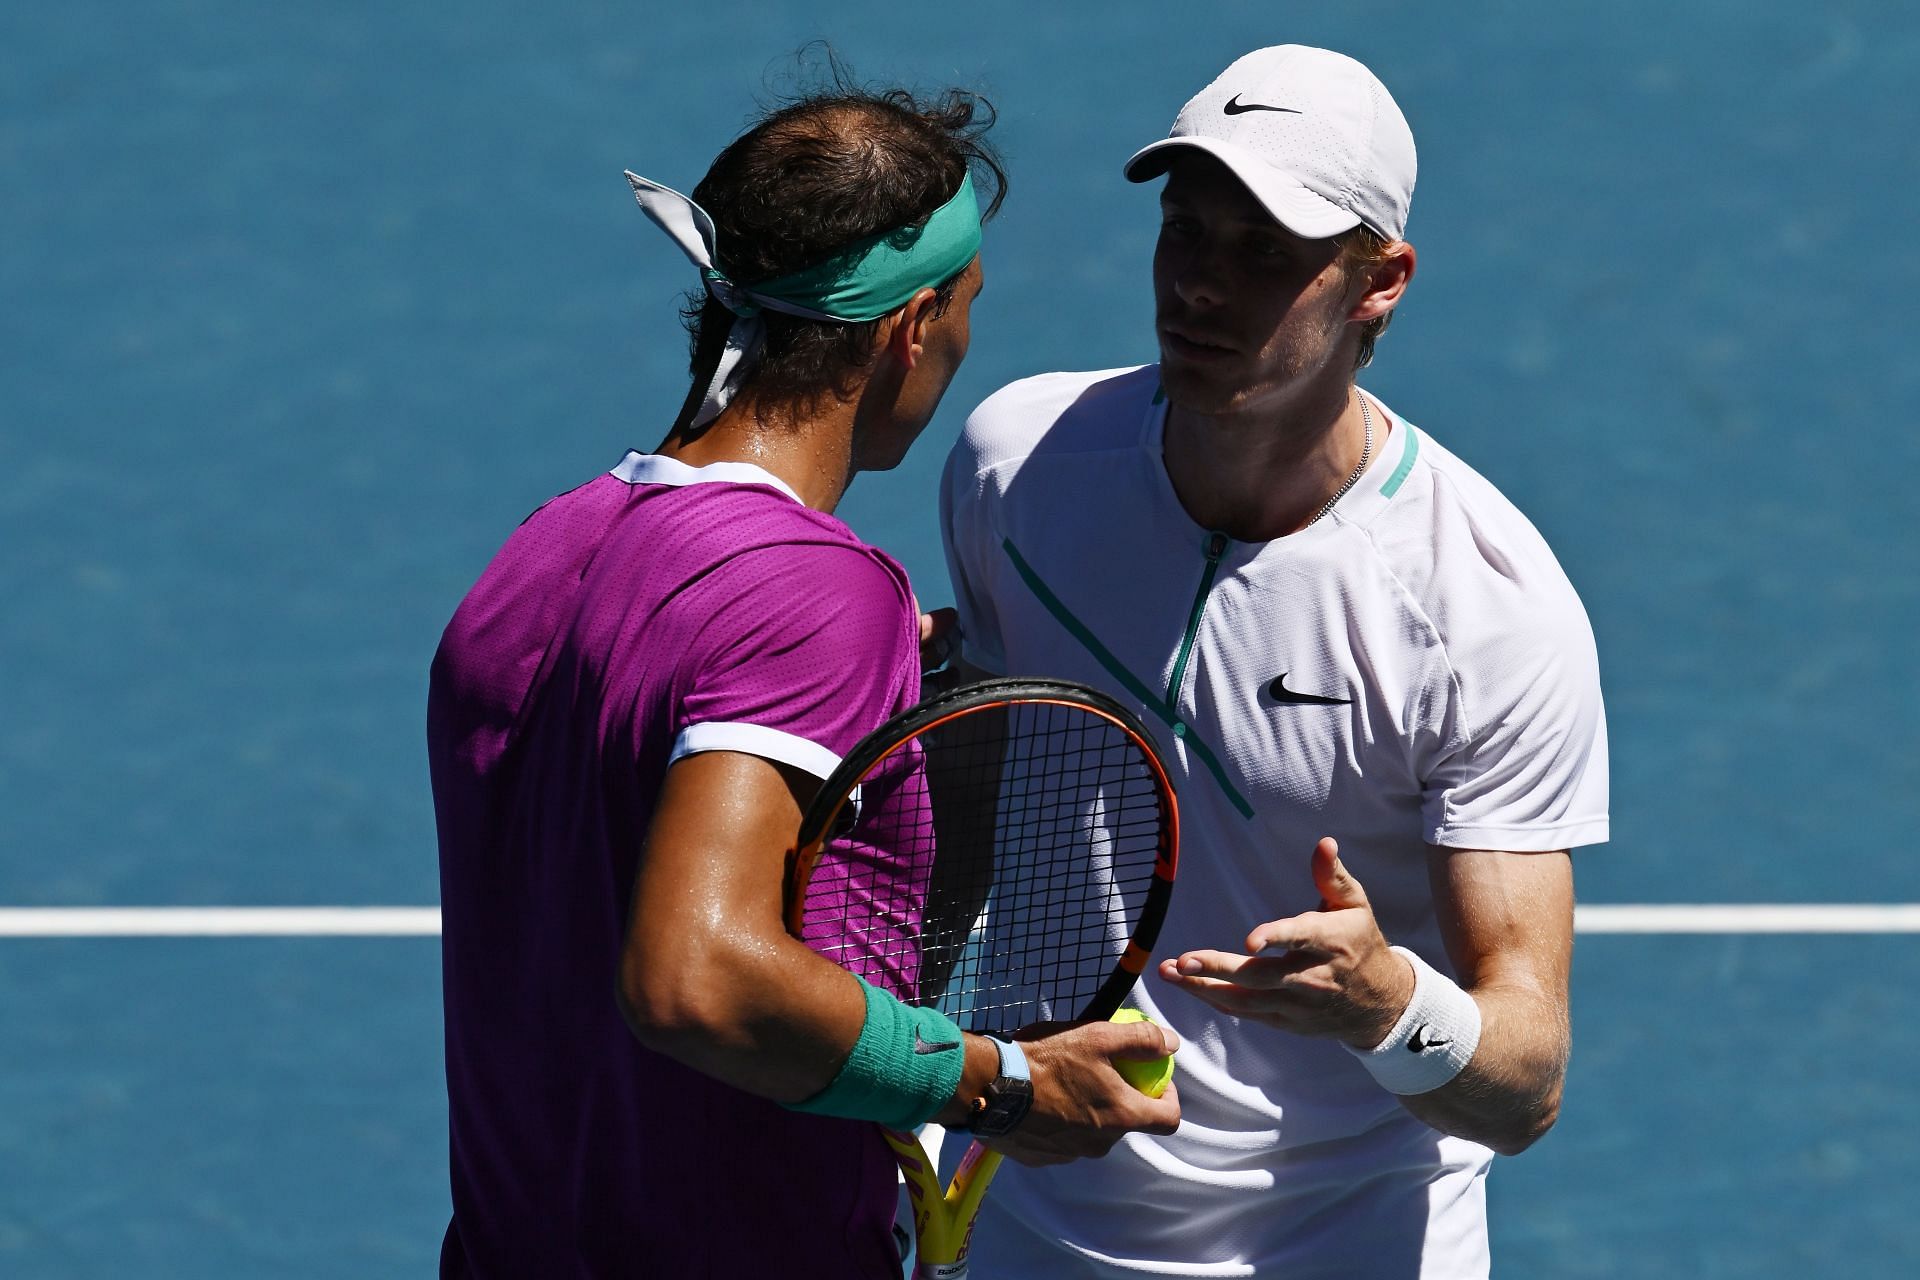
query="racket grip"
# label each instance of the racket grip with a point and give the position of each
(946, 1233)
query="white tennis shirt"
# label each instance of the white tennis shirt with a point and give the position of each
(1414, 669)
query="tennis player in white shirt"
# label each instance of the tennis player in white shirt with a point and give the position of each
(1342, 630)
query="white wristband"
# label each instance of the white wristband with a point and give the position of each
(1434, 1039)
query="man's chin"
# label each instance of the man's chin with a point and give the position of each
(1196, 390)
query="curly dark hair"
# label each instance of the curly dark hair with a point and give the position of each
(811, 178)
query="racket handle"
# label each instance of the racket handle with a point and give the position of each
(942, 1254)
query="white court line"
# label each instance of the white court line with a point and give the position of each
(1893, 917)
(216, 922)
(394, 922)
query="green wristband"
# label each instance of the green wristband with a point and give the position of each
(903, 1068)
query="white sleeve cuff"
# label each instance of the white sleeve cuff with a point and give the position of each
(756, 740)
(1520, 837)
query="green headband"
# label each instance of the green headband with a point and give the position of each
(858, 284)
(879, 274)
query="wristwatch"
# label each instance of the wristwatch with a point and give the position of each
(999, 1110)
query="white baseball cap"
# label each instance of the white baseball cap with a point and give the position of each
(1311, 133)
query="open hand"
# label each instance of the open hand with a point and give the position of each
(1327, 973)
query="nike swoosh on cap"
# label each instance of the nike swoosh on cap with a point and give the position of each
(1237, 107)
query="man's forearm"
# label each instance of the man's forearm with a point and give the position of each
(1508, 1095)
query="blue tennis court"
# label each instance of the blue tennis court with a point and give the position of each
(306, 307)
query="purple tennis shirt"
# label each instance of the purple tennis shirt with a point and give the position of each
(654, 612)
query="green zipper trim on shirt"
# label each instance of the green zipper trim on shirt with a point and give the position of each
(1133, 684)
(1216, 547)
(1399, 476)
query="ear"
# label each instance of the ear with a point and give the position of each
(1385, 283)
(907, 337)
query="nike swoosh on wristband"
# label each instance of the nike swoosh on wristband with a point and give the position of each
(1238, 108)
(1418, 1042)
(924, 1046)
(1279, 692)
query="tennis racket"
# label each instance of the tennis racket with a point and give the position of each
(1004, 852)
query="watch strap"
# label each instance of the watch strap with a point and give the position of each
(1013, 1059)
(1008, 1096)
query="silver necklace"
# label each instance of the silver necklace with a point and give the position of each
(1366, 451)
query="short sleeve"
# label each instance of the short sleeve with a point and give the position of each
(804, 650)
(966, 529)
(1527, 771)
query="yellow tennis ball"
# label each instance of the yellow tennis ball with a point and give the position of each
(1150, 1076)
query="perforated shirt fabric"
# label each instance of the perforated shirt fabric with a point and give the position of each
(655, 611)
(1414, 669)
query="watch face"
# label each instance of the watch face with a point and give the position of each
(1004, 1107)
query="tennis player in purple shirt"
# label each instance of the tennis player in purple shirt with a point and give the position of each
(647, 1075)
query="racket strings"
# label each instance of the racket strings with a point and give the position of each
(998, 865)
